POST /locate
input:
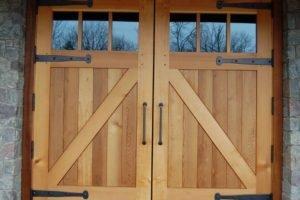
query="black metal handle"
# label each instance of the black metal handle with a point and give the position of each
(160, 139)
(46, 193)
(144, 123)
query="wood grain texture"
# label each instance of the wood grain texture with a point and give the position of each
(71, 87)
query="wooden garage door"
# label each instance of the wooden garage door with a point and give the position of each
(93, 121)
(212, 123)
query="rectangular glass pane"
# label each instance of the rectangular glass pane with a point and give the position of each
(243, 33)
(95, 31)
(125, 30)
(65, 30)
(183, 32)
(213, 32)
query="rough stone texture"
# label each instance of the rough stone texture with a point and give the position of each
(291, 152)
(11, 100)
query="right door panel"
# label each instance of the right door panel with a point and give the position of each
(212, 123)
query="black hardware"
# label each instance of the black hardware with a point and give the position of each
(245, 61)
(161, 105)
(244, 197)
(89, 3)
(60, 58)
(45, 193)
(272, 153)
(248, 5)
(144, 123)
(32, 149)
(33, 102)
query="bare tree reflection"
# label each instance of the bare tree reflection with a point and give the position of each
(64, 35)
(182, 36)
(95, 35)
(213, 37)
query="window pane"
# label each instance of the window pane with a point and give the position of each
(64, 31)
(213, 32)
(183, 32)
(125, 31)
(95, 31)
(243, 33)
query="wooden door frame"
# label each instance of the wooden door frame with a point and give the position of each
(28, 100)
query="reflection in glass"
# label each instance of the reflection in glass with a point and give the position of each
(95, 31)
(125, 31)
(243, 33)
(64, 31)
(213, 32)
(183, 32)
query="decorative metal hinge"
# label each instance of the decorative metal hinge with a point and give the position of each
(244, 197)
(245, 61)
(272, 105)
(89, 3)
(32, 149)
(272, 153)
(248, 5)
(60, 58)
(33, 102)
(46, 193)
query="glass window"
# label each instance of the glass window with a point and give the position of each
(95, 31)
(213, 32)
(183, 32)
(65, 30)
(125, 31)
(243, 33)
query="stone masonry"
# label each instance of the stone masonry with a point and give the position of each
(291, 149)
(11, 92)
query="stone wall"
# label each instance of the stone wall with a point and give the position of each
(291, 154)
(11, 86)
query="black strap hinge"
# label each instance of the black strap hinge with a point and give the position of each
(247, 5)
(218, 196)
(60, 58)
(46, 193)
(88, 3)
(245, 61)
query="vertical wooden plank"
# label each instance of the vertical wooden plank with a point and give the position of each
(100, 141)
(220, 114)
(128, 174)
(56, 115)
(114, 137)
(264, 130)
(190, 136)
(205, 146)
(145, 95)
(85, 111)
(161, 90)
(235, 89)
(71, 117)
(42, 98)
(249, 118)
(175, 149)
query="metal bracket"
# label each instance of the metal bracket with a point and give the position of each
(89, 3)
(45, 193)
(244, 197)
(248, 5)
(59, 58)
(245, 61)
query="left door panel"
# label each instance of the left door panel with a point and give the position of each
(91, 119)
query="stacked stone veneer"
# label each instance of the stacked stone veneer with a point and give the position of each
(11, 100)
(291, 150)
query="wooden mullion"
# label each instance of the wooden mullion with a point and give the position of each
(80, 31)
(228, 33)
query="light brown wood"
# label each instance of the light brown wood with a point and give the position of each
(99, 59)
(85, 110)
